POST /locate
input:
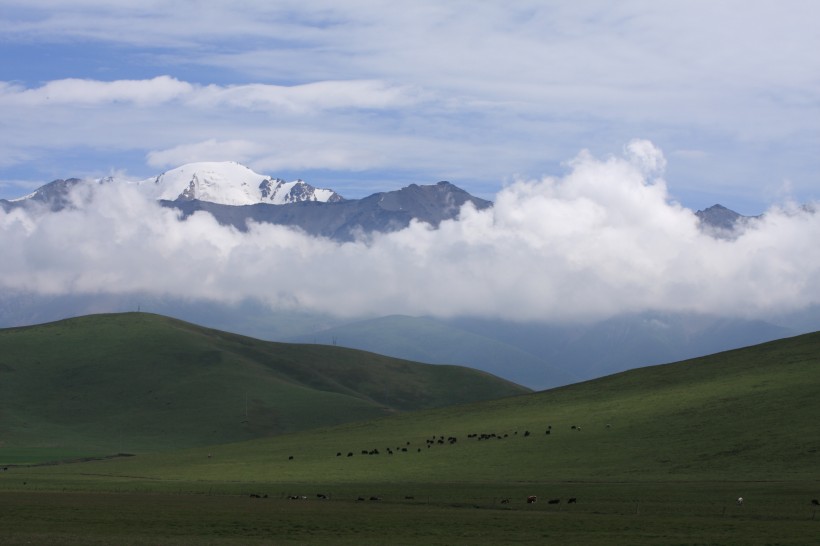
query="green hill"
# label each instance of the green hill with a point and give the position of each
(661, 456)
(138, 382)
(749, 414)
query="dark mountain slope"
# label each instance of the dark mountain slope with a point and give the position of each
(425, 339)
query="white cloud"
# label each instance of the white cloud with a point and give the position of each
(305, 98)
(207, 150)
(297, 98)
(76, 92)
(602, 240)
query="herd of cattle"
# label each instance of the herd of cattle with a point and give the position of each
(531, 499)
(441, 440)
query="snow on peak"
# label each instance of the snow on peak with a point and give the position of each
(229, 183)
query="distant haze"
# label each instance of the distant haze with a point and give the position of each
(604, 239)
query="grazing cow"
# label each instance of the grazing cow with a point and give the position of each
(359, 499)
(255, 496)
(374, 498)
(740, 501)
(338, 453)
(409, 497)
(554, 501)
(548, 431)
(526, 433)
(531, 499)
(295, 497)
(572, 500)
(321, 496)
(505, 501)
(813, 501)
(290, 458)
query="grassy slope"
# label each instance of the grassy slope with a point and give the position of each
(136, 382)
(748, 415)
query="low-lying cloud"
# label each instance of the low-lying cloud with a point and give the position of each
(604, 239)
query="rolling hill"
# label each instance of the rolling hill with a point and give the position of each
(746, 415)
(137, 382)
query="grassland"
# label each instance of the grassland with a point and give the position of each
(137, 382)
(661, 455)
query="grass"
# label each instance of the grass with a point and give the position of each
(605, 514)
(662, 454)
(137, 382)
(744, 415)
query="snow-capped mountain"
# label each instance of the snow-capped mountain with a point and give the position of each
(234, 195)
(229, 183)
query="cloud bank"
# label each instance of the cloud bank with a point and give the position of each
(606, 238)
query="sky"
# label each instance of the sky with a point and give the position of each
(597, 128)
(363, 96)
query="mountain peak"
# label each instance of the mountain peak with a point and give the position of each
(230, 183)
(722, 222)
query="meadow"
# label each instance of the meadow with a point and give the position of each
(655, 455)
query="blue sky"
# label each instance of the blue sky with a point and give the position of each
(361, 96)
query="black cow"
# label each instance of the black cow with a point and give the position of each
(554, 501)
(572, 500)
(815, 502)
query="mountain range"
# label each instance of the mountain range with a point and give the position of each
(533, 354)
(235, 195)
